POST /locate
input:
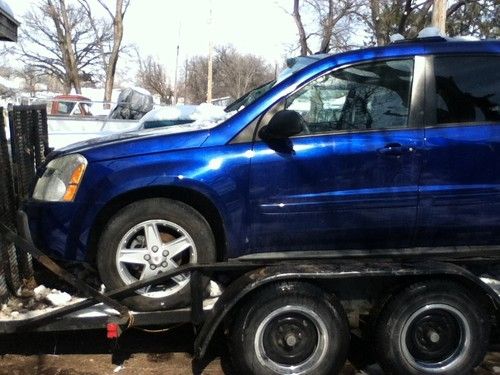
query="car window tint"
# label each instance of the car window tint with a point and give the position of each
(467, 88)
(363, 97)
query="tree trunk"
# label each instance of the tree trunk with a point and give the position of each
(113, 58)
(327, 30)
(64, 32)
(68, 46)
(377, 25)
(404, 17)
(302, 33)
(439, 15)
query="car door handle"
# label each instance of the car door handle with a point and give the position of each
(391, 149)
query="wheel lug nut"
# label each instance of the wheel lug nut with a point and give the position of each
(164, 264)
(291, 340)
(165, 253)
(154, 248)
(147, 257)
(153, 267)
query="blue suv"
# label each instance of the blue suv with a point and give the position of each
(388, 151)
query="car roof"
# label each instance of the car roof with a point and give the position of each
(72, 97)
(440, 44)
(408, 48)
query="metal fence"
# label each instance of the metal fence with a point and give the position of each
(19, 158)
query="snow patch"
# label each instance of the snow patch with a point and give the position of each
(40, 292)
(215, 290)
(209, 115)
(205, 116)
(183, 112)
(40, 301)
(429, 32)
(58, 298)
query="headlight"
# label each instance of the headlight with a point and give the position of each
(61, 179)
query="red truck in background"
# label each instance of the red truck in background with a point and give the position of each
(70, 105)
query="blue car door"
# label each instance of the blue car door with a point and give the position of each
(350, 179)
(460, 184)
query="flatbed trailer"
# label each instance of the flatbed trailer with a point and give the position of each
(342, 285)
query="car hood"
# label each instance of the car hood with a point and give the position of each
(140, 142)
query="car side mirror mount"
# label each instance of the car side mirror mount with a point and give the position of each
(282, 125)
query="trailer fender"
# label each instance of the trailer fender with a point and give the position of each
(259, 277)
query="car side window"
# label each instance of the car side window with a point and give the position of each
(467, 89)
(362, 97)
(65, 108)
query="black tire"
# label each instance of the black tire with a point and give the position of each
(434, 327)
(170, 218)
(272, 332)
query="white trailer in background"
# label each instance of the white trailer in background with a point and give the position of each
(66, 130)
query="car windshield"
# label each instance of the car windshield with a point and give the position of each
(249, 97)
(293, 65)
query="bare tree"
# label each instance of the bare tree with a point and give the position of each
(109, 46)
(196, 75)
(31, 77)
(478, 18)
(304, 48)
(58, 40)
(234, 74)
(330, 24)
(152, 76)
(408, 17)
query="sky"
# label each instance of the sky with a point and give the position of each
(156, 27)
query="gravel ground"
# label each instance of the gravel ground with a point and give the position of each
(89, 353)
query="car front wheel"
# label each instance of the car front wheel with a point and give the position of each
(149, 237)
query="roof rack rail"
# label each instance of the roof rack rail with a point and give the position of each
(427, 39)
(428, 34)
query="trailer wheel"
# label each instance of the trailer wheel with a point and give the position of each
(434, 327)
(152, 236)
(289, 328)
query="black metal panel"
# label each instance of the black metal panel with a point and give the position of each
(39, 133)
(8, 27)
(8, 265)
(29, 138)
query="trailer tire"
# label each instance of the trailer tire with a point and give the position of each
(289, 327)
(434, 327)
(121, 262)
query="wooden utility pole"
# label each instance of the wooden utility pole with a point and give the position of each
(185, 80)
(439, 15)
(209, 75)
(176, 91)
